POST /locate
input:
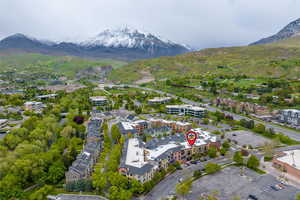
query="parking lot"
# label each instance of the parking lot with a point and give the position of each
(230, 183)
(246, 138)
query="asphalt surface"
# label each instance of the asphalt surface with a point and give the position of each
(167, 186)
(250, 183)
(293, 134)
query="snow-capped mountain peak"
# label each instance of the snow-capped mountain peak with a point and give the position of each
(121, 43)
(126, 38)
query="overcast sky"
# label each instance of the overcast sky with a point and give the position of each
(198, 23)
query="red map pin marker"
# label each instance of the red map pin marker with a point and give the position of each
(191, 137)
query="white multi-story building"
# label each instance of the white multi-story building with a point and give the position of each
(47, 96)
(99, 100)
(159, 100)
(33, 105)
(190, 110)
(290, 116)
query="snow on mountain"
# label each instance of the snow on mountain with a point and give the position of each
(123, 43)
(127, 38)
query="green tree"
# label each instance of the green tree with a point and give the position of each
(223, 151)
(268, 150)
(68, 132)
(205, 121)
(238, 158)
(99, 181)
(115, 133)
(259, 128)
(116, 179)
(10, 187)
(197, 174)
(11, 141)
(183, 188)
(298, 196)
(56, 172)
(42, 193)
(211, 168)
(30, 123)
(136, 187)
(116, 193)
(226, 145)
(253, 162)
(212, 152)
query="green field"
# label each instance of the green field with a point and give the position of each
(61, 65)
(274, 60)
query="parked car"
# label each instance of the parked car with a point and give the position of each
(274, 188)
(194, 162)
(252, 197)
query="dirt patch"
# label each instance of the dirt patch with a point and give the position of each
(146, 77)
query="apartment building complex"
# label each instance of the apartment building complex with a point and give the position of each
(141, 160)
(141, 126)
(98, 100)
(176, 126)
(243, 107)
(189, 110)
(290, 116)
(135, 127)
(82, 167)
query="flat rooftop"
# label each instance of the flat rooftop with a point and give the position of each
(127, 125)
(32, 103)
(170, 122)
(47, 95)
(135, 154)
(292, 158)
(160, 99)
(191, 107)
(98, 98)
(154, 153)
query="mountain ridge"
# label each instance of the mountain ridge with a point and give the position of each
(127, 44)
(289, 31)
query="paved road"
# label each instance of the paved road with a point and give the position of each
(168, 185)
(293, 134)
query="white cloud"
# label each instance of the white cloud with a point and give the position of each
(199, 23)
